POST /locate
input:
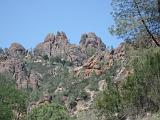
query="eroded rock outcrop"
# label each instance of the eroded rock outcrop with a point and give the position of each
(98, 63)
(91, 40)
(16, 49)
(17, 68)
(58, 46)
(53, 45)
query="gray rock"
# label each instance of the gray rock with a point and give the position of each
(16, 49)
(23, 78)
(91, 40)
(58, 46)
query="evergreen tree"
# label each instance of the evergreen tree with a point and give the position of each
(136, 17)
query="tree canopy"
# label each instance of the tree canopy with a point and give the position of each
(136, 18)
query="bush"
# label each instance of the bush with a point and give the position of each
(45, 57)
(10, 99)
(139, 93)
(141, 90)
(76, 90)
(90, 51)
(48, 112)
(57, 59)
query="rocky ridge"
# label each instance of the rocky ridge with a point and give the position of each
(57, 46)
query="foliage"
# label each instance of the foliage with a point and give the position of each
(10, 99)
(57, 59)
(39, 67)
(45, 57)
(48, 112)
(90, 51)
(139, 93)
(136, 19)
(109, 102)
(141, 89)
(76, 90)
(90, 114)
(93, 81)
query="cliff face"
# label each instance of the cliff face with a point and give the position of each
(24, 79)
(13, 58)
(58, 46)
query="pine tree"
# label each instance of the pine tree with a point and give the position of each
(136, 17)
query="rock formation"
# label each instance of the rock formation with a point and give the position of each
(23, 78)
(98, 63)
(91, 40)
(16, 49)
(58, 46)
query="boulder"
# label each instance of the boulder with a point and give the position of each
(102, 85)
(91, 40)
(16, 49)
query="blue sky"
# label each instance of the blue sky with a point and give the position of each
(29, 21)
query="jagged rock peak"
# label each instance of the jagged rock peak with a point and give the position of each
(24, 79)
(59, 37)
(50, 37)
(91, 40)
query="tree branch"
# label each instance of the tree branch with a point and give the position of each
(146, 27)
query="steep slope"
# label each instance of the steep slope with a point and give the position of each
(74, 76)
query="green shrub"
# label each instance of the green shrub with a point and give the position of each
(48, 112)
(10, 99)
(90, 51)
(57, 59)
(45, 57)
(76, 90)
(139, 93)
(142, 89)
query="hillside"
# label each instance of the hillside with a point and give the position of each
(58, 80)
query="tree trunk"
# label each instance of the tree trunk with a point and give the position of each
(146, 27)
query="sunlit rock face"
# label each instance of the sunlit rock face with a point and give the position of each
(97, 64)
(58, 46)
(53, 45)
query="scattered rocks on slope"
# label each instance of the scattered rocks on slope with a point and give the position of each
(102, 85)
